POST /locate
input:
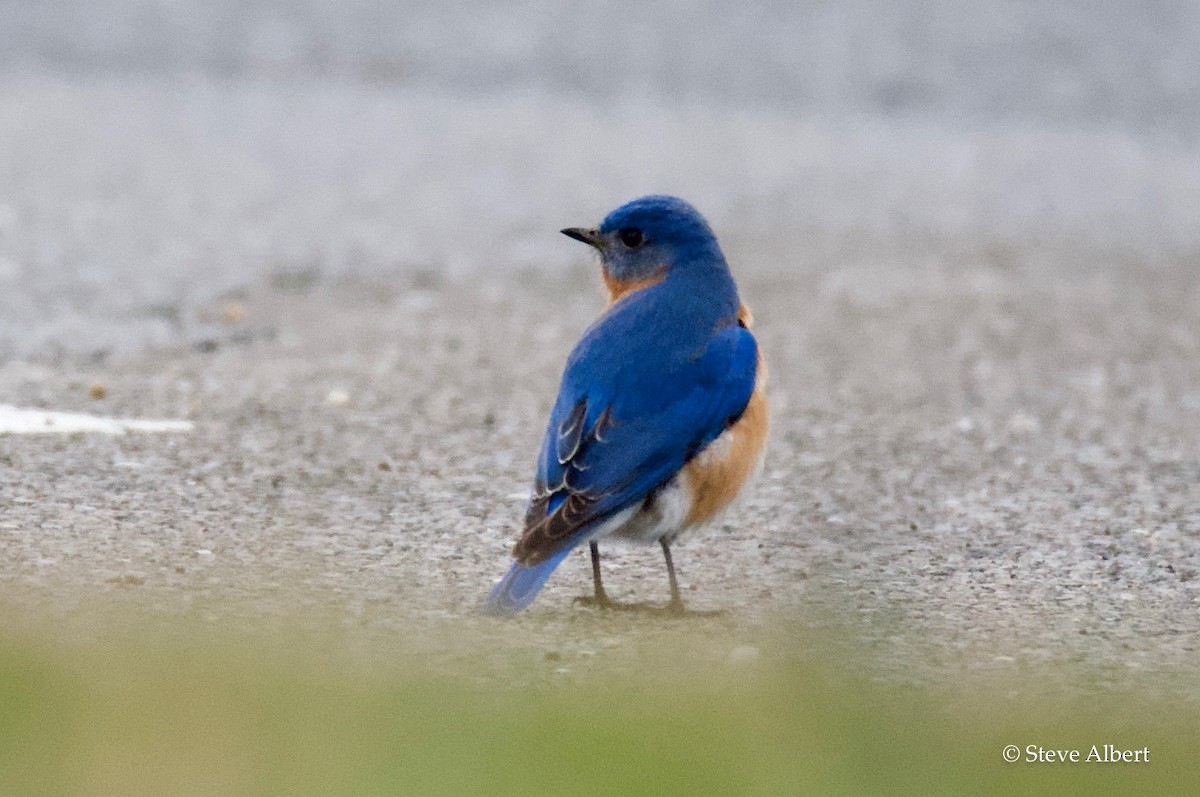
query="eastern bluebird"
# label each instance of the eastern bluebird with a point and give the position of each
(661, 416)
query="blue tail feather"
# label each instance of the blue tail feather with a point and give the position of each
(521, 584)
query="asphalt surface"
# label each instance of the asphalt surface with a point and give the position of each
(326, 236)
(974, 468)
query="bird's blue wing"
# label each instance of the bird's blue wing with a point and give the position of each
(622, 427)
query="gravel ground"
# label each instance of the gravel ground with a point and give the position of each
(981, 468)
(324, 233)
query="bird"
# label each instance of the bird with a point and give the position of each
(661, 416)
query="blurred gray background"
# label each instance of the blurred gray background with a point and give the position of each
(155, 154)
(1128, 65)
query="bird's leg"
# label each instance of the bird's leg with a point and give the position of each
(674, 608)
(600, 598)
(676, 604)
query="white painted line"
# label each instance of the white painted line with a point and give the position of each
(14, 420)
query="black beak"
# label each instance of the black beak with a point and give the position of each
(589, 237)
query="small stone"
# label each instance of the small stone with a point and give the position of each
(97, 391)
(337, 398)
(1023, 423)
(233, 312)
(743, 654)
(553, 655)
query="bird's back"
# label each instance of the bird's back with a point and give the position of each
(668, 368)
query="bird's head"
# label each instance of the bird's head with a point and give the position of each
(644, 240)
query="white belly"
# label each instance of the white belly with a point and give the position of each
(666, 516)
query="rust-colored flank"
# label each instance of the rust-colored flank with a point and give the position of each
(715, 477)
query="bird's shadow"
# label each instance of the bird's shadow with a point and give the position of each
(671, 609)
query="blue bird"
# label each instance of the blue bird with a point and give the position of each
(661, 415)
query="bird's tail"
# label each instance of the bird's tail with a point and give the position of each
(521, 584)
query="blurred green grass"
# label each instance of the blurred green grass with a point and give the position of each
(144, 717)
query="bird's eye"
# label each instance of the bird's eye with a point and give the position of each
(631, 237)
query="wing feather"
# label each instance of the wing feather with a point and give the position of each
(606, 449)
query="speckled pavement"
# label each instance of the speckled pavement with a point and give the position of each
(978, 465)
(327, 239)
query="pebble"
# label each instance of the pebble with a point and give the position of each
(743, 654)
